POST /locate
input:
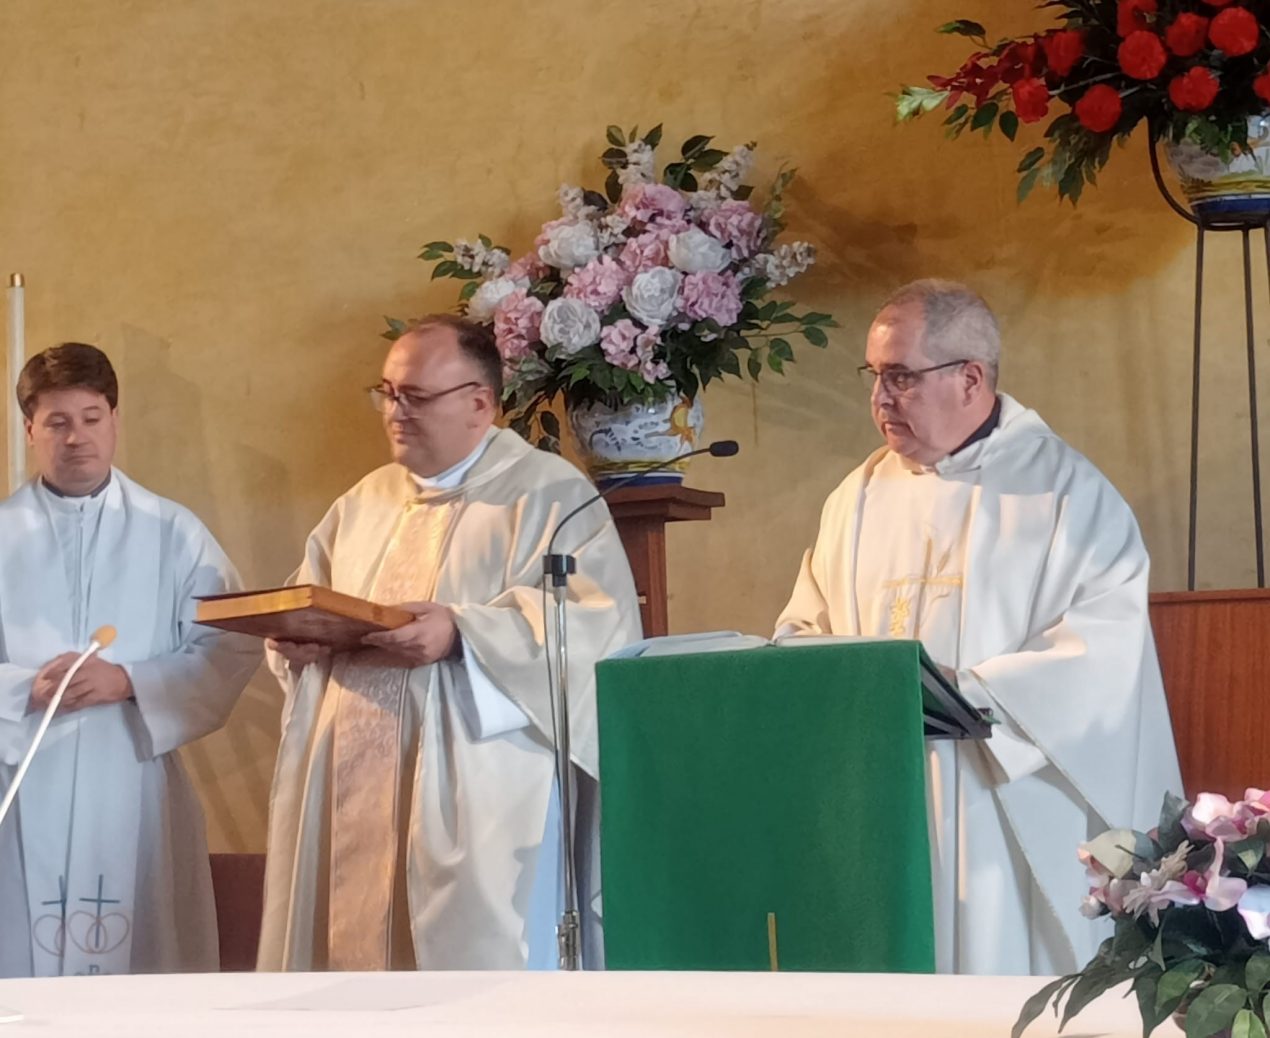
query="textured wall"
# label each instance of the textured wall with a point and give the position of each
(228, 195)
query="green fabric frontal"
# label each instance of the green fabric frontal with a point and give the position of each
(784, 782)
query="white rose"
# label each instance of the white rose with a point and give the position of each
(485, 301)
(693, 251)
(572, 245)
(650, 297)
(570, 325)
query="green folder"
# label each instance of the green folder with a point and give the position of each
(766, 808)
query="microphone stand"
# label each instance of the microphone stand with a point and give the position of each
(102, 637)
(557, 568)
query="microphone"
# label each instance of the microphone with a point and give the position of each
(718, 449)
(102, 637)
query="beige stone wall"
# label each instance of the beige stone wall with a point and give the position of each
(227, 195)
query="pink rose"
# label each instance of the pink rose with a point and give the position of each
(516, 323)
(599, 284)
(652, 203)
(646, 251)
(530, 266)
(735, 223)
(1215, 817)
(710, 296)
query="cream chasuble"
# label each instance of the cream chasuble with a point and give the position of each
(103, 864)
(1019, 567)
(411, 815)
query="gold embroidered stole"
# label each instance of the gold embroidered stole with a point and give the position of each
(366, 773)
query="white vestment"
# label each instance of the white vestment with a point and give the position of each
(103, 859)
(1018, 566)
(475, 866)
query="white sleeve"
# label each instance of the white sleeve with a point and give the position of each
(487, 710)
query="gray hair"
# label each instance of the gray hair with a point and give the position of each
(957, 324)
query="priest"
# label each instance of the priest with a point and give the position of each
(103, 858)
(978, 531)
(413, 819)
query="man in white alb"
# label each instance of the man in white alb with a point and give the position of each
(413, 822)
(979, 532)
(103, 861)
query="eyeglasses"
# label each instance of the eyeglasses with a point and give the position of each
(384, 398)
(901, 380)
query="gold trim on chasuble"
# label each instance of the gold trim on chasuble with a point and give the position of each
(911, 595)
(366, 772)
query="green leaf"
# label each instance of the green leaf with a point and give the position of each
(550, 424)
(957, 115)
(913, 101)
(776, 364)
(1257, 973)
(815, 336)
(1249, 852)
(709, 158)
(782, 349)
(1144, 987)
(963, 27)
(1174, 985)
(1093, 982)
(438, 246)
(688, 182)
(743, 192)
(822, 319)
(469, 290)
(615, 137)
(614, 158)
(984, 116)
(694, 145)
(754, 365)
(653, 137)
(1009, 123)
(613, 186)
(1030, 159)
(1247, 1025)
(1213, 1009)
(1027, 183)
(1035, 1005)
(484, 240)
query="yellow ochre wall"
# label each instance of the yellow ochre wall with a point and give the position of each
(228, 195)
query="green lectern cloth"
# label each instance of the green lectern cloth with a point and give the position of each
(788, 781)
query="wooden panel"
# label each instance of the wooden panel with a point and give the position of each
(238, 881)
(1214, 649)
(641, 515)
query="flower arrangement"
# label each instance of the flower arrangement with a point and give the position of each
(1195, 70)
(1191, 905)
(653, 288)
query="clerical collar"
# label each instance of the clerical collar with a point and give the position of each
(985, 430)
(74, 497)
(455, 474)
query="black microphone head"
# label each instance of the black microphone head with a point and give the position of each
(723, 448)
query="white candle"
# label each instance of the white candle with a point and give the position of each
(16, 358)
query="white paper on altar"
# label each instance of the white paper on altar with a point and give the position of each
(729, 641)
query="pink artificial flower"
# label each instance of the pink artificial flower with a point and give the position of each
(1254, 907)
(1218, 892)
(646, 251)
(709, 296)
(1215, 817)
(736, 224)
(618, 342)
(652, 203)
(530, 266)
(599, 284)
(516, 324)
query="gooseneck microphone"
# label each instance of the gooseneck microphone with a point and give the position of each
(102, 637)
(556, 569)
(718, 449)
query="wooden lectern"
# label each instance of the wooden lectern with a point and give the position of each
(641, 515)
(1214, 649)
